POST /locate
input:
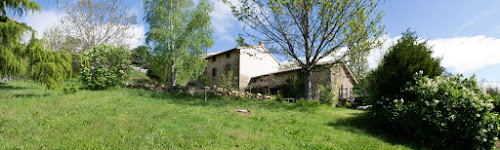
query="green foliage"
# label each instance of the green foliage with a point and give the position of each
(12, 53)
(307, 104)
(294, 86)
(180, 32)
(398, 66)
(48, 67)
(449, 113)
(140, 56)
(241, 42)
(279, 98)
(495, 93)
(71, 88)
(229, 80)
(327, 96)
(19, 7)
(104, 66)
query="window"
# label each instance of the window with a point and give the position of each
(228, 54)
(214, 72)
(213, 59)
(227, 68)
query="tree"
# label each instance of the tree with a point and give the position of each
(398, 67)
(12, 53)
(180, 32)
(95, 22)
(58, 40)
(307, 31)
(140, 56)
(357, 57)
(45, 67)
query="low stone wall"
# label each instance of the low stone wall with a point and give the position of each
(209, 90)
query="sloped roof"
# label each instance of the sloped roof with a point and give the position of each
(240, 48)
(348, 71)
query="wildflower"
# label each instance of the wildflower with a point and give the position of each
(478, 115)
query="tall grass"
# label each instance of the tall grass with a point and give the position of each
(34, 118)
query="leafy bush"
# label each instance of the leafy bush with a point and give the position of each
(279, 98)
(449, 112)
(305, 103)
(228, 80)
(48, 67)
(104, 66)
(326, 96)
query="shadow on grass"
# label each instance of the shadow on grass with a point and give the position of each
(19, 92)
(368, 124)
(4, 86)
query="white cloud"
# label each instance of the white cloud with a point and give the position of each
(461, 54)
(467, 54)
(43, 20)
(138, 35)
(222, 18)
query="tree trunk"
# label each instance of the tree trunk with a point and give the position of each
(173, 74)
(308, 86)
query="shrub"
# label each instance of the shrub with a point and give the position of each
(449, 113)
(104, 66)
(228, 80)
(326, 96)
(48, 67)
(306, 104)
(279, 98)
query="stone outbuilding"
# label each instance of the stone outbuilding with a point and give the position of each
(333, 76)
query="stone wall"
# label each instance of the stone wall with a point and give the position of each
(328, 77)
(221, 60)
(278, 80)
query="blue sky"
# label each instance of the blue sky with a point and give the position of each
(464, 33)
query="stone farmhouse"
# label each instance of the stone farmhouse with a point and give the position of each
(258, 71)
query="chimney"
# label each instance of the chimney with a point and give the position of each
(261, 43)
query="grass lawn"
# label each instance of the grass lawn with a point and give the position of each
(34, 118)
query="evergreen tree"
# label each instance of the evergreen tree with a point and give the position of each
(398, 67)
(180, 32)
(46, 67)
(12, 53)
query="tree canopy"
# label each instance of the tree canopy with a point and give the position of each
(307, 31)
(180, 33)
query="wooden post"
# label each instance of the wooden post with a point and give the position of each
(205, 94)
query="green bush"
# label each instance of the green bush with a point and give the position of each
(326, 96)
(449, 113)
(104, 66)
(279, 98)
(305, 103)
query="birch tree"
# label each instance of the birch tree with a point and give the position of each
(306, 31)
(180, 32)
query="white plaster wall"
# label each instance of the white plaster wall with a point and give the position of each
(256, 61)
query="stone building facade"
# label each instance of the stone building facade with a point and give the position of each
(244, 62)
(257, 70)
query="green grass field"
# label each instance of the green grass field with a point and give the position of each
(34, 118)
